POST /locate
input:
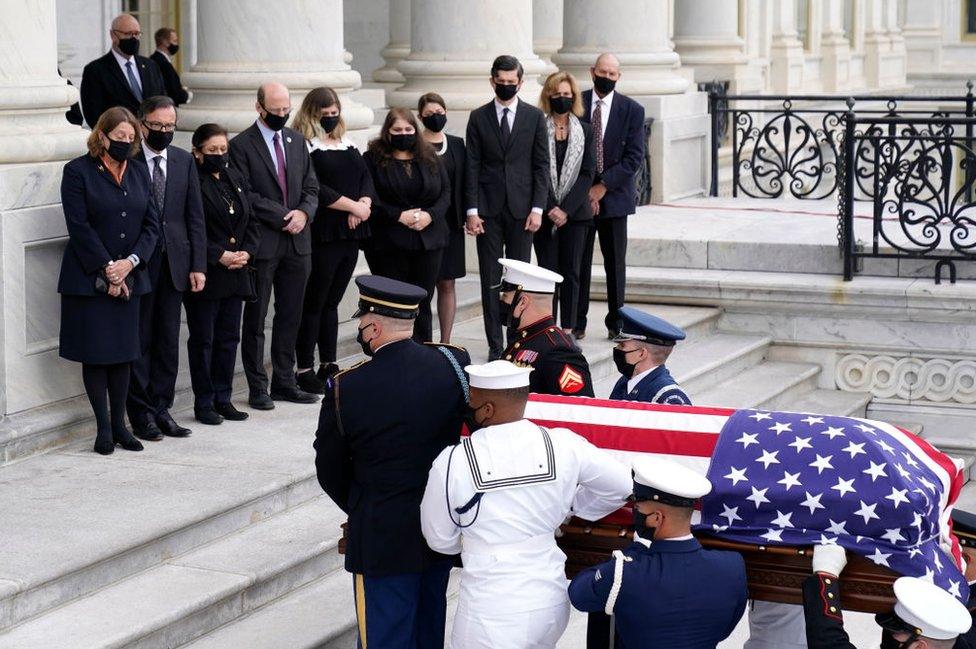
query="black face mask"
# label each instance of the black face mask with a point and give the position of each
(435, 122)
(471, 418)
(129, 46)
(620, 360)
(172, 49)
(275, 122)
(561, 105)
(506, 91)
(158, 140)
(603, 85)
(118, 150)
(213, 162)
(404, 141)
(507, 311)
(364, 343)
(329, 123)
(641, 527)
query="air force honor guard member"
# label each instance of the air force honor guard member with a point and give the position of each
(664, 590)
(535, 340)
(382, 424)
(498, 499)
(643, 345)
(924, 617)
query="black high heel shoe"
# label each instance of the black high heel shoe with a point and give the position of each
(104, 443)
(126, 439)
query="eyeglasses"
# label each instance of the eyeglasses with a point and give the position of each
(277, 111)
(128, 34)
(157, 126)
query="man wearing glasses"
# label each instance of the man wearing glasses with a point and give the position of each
(121, 77)
(177, 265)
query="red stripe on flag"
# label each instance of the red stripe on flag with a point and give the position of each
(630, 405)
(640, 440)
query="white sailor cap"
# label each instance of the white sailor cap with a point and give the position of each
(924, 609)
(667, 482)
(528, 277)
(498, 375)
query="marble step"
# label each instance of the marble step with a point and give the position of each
(831, 402)
(193, 593)
(771, 384)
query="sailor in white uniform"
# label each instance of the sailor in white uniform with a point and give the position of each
(498, 498)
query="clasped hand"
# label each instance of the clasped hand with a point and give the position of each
(295, 221)
(359, 212)
(415, 219)
(234, 260)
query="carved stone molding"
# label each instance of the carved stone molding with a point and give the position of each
(909, 379)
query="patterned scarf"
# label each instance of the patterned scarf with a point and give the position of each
(562, 182)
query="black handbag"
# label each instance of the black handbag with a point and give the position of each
(102, 284)
(249, 284)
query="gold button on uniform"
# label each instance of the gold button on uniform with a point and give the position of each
(833, 609)
(233, 240)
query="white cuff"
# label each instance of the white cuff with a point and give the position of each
(472, 211)
(134, 258)
(537, 210)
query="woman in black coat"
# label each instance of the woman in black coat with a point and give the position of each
(213, 316)
(113, 227)
(560, 241)
(340, 226)
(413, 192)
(433, 113)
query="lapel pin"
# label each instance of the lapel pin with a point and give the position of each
(288, 140)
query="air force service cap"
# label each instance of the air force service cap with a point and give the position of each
(498, 375)
(923, 609)
(667, 482)
(638, 325)
(521, 275)
(388, 297)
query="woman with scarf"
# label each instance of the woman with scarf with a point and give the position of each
(572, 163)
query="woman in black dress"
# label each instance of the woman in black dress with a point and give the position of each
(213, 316)
(413, 192)
(572, 162)
(433, 113)
(112, 232)
(340, 226)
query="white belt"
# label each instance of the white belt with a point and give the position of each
(531, 544)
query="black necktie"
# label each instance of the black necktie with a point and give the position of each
(159, 190)
(506, 129)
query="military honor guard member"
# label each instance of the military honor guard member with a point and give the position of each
(644, 344)
(665, 590)
(382, 424)
(925, 616)
(498, 499)
(559, 366)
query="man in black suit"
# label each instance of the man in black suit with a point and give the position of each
(284, 194)
(178, 264)
(121, 77)
(507, 184)
(619, 140)
(167, 45)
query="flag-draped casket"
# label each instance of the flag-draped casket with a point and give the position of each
(782, 482)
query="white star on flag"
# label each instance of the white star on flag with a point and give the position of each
(737, 476)
(813, 502)
(885, 446)
(773, 535)
(901, 470)
(832, 432)
(879, 557)
(747, 439)
(867, 511)
(719, 528)
(917, 520)
(929, 576)
(768, 458)
(822, 463)
(812, 420)
(954, 589)
(826, 540)
(936, 559)
(790, 480)
(780, 428)
(837, 528)
(910, 460)
(759, 416)
(730, 513)
(866, 429)
(893, 535)
(758, 496)
(914, 552)
(876, 471)
(844, 487)
(897, 497)
(928, 484)
(783, 520)
(855, 449)
(800, 443)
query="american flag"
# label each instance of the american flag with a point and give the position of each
(783, 478)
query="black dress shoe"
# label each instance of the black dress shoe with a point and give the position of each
(325, 371)
(124, 438)
(170, 428)
(309, 382)
(294, 395)
(104, 444)
(579, 334)
(208, 416)
(229, 412)
(148, 431)
(260, 401)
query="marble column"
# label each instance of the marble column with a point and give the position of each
(835, 48)
(452, 45)
(884, 56)
(35, 142)
(638, 32)
(707, 37)
(547, 31)
(300, 46)
(786, 50)
(922, 32)
(399, 46)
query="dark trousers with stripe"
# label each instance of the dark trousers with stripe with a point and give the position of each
(402, 611)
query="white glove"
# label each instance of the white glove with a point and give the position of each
(829, 559)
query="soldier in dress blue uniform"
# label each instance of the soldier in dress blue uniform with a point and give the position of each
(925, 616)
(382, 424)
(559, 366)
(643, 345)
(655, 587)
